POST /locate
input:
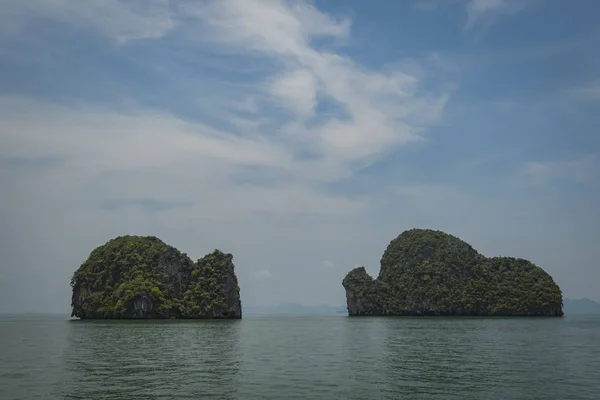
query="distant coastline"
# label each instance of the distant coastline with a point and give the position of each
(581, 306)
(295, 309)
(572, 306)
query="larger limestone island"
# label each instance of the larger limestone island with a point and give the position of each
(428, 272)
(133, 277)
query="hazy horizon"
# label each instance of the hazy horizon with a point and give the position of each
(300, 136)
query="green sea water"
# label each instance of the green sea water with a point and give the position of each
(301, 357)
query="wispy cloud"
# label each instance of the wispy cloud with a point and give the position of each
(582, 170)
(120, 20)
(487, 12)
(382, 107)
(589, 92)
(280, 130)
(262, 274)
(297, 90)
(158, 156)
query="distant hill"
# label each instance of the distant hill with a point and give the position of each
(571, 306)
(295, 309)
(581, 306)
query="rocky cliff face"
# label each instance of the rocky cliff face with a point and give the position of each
(427, 272)
(361, 293)
(142, 277)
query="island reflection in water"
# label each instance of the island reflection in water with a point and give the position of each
(149, 359)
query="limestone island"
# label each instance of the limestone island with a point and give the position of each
(429, 272)
(133, 277)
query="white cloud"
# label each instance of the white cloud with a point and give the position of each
(123, 140)
(298, 91)
(266, 26)
(486, 12)
(579, 170)
(328, 264)
(384, 109)
(158, 156)
(262, 274)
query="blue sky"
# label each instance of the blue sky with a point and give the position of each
(302, 136)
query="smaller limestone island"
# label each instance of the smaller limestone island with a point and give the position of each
(133, 277)
(429, 272)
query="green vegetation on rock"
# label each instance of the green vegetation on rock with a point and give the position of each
(142, 277)
(427, 272)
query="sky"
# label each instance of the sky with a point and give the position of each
(300, 136)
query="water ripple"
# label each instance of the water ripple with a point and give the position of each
(301, 357)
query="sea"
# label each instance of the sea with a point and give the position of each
(301, 357)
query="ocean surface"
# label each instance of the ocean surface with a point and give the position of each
(301, 357)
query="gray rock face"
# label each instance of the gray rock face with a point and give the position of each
(360, 293)
(134, 277)
(142, 306)
(232, 297)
